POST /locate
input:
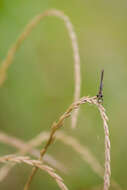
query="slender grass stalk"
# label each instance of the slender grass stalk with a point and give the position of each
(38, 164)
(28, 29)
(82, 150)
(57, 125)
(25, 148)
(74, 107)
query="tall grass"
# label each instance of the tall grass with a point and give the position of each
(72, 110)
(28, 29)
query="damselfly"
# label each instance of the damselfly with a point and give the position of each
(100, 94)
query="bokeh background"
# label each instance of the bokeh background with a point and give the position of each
(40, 85)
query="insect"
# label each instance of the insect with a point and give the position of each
(100, 94)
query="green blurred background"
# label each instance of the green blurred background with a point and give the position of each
(40, 85)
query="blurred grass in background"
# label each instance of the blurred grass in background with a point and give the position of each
(40, 84)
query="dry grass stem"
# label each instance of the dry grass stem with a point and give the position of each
(57, 125)
(12, 51)
(38, 164)
(24, 149)
(84, 151)
(107, 148)
(73, 109)
(73, 142)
